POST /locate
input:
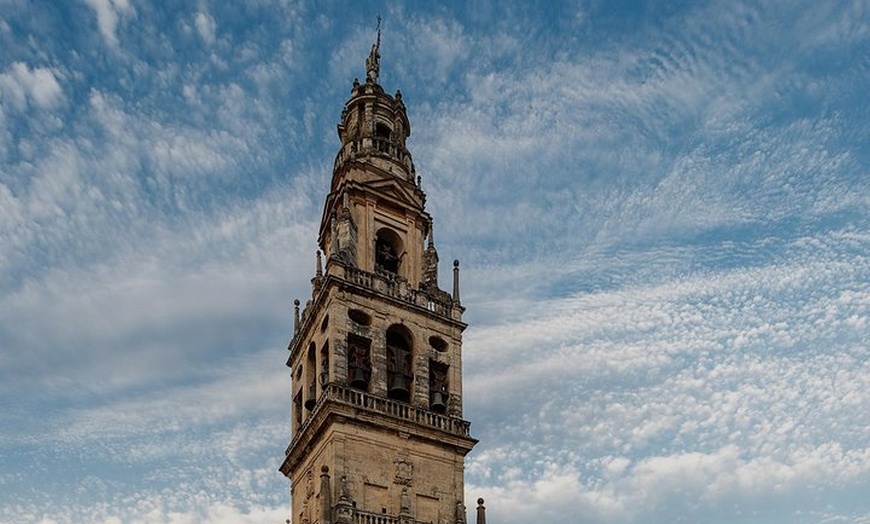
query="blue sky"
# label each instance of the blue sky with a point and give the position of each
(661, 213)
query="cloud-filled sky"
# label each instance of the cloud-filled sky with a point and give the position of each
(661, 209)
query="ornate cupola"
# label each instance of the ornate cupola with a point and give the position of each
(375, 123)
(374, 164)
(377, 434)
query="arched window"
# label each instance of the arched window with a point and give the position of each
(311, 399)
(438, 388)
(388, 251)
(360, 117)
(297, 409)
(382, 130)
(399, 363)
(359, 364)
(323, 377)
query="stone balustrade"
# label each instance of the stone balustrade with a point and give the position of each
(396, 287)
(364, 517)
(348, 396)
(375, 145)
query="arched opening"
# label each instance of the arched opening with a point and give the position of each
(311, 399)
(324, 366)
(297, 409)
(438, 388)
(388, 251)
(359, 366)
(399, 363)
(360, 117)
(383, 131)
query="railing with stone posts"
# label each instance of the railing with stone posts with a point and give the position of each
(348, 396)
(374, 145)
(365, 517)
(359, 399)
(397, 287)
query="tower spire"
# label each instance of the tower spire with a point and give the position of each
(373, 62)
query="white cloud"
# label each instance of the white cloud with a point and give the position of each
(734, 388)
(109, 13)
(205, 26)
(239, 388)
(593, 134)
(21, 86)
(111, 326)
(682, 485)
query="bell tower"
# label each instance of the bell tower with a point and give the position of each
(377, 434)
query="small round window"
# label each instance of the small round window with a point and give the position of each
(359, 316)
(438, 343)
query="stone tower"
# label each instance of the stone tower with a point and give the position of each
(377, 434)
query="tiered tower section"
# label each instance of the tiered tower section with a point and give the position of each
(377, 434)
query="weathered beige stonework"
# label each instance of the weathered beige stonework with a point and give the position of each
(377, 434)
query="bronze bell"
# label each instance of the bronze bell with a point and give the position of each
(312, 397)
(358, 379)
(439, 401)
(398, 390)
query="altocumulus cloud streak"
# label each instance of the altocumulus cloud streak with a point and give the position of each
(661, 213)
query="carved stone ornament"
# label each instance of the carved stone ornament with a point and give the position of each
(404, 472)
(344, 494)
(344, 508)
(460, 513)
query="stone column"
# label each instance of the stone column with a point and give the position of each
(325, 497)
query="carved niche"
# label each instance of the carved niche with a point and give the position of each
(404, 472)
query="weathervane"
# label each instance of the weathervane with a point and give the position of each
(373, 64)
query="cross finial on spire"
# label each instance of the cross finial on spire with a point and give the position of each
(373, 62)
(379, 32)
